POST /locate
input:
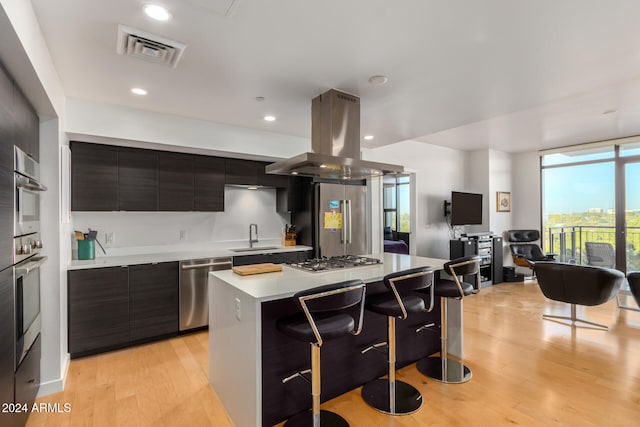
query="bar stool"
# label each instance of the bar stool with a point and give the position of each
(390, 395)
(322, 319)
(442, 368)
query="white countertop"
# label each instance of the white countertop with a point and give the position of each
(173, 253)
(283, 284)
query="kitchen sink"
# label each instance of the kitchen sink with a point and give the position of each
(255, 249)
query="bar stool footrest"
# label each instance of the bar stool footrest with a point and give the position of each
(447, 371)
(327, 419)
(407, 398)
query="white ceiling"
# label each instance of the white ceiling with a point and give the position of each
(512, 75)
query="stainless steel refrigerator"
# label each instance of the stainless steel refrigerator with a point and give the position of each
(341, 219)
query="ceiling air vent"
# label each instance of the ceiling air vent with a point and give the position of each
(143, 45)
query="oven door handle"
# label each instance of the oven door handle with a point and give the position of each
(29, 184)
(29, 266)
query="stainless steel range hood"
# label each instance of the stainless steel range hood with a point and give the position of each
(335, 141)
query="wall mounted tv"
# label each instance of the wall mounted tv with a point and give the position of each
(466, 208)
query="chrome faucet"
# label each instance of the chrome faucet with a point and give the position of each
(253, 240)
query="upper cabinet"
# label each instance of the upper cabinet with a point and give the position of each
(110, 178)
(19, 123)
(27, 125)
(94, 177)
(175, 182)
(209, 178)
(241, 172)
(137, 179)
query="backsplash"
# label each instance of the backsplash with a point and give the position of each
(242, 207)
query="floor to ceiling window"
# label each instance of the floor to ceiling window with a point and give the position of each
(591, 206)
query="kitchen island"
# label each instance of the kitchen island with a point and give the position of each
(248, 357)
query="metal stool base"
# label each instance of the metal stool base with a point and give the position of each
(327, 419)
(447, 371)
(407, 398)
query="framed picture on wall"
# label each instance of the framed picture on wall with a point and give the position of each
(503, 201)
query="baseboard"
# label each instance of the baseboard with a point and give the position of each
(57, 385)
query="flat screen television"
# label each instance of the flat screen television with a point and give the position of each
(466, 208)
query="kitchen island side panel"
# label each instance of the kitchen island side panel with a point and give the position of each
(234, 352)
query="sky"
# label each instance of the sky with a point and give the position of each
(580, 188)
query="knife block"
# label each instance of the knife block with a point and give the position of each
(289, 239)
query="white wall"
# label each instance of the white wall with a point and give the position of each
(525, 198)
(242, 207)
(476, 180)
(501, 179)
(438, 170)
(112, 121)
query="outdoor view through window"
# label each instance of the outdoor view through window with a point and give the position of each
(579, 205)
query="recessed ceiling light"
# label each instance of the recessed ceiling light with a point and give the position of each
(138, 91)
(378, 80)
(156, 12)
(368, 137)
(252, 187)
(323, 166)
(270, 118)
(294, 173)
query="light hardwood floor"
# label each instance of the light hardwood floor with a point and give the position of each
(526, 371)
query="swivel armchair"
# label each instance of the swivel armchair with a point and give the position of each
(578, 285)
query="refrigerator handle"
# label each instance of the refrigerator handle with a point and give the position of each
(349, 212)
(343, 232)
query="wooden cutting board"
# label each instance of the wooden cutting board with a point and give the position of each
(245, 270)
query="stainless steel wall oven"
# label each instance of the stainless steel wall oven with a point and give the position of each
(27, 194)
(27, 288)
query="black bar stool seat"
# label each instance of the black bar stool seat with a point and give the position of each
(329, 326)
(387, 304)
(322, 318)
(446, 288)
(410, 291)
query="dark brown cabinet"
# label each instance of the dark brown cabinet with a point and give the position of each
(175, 182)
(7, 344)
(110, 178)
(153, 300)
(98, 309)
(115, 307)
(289, 197)
(27, 125)
(6, 204)
(94, 177)
(27, 380)
(270, 180)
(241, 172)
(209, 179)
(137, 179)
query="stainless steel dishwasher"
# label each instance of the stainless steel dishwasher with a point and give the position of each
(194, 297)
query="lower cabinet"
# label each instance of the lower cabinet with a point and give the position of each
(153, 300)
(116, 306)
(276, 258)
(98, 309)
(27, 380)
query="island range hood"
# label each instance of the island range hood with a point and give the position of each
(335, 141)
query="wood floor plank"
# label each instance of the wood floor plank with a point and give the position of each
(526, 372)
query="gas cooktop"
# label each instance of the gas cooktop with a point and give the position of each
(334, 263)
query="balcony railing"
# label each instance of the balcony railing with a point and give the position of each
(568, 242)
